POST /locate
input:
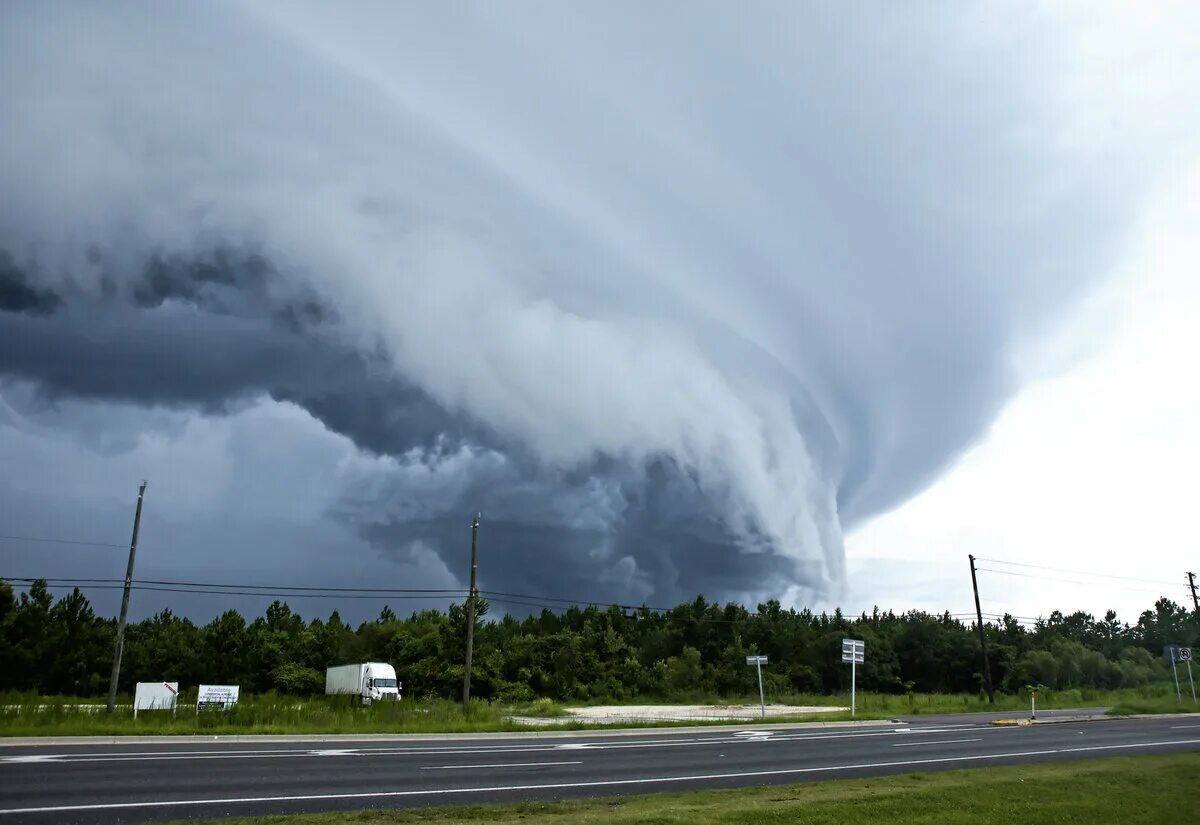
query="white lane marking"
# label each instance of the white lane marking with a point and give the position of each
(504, 765)
(1184, 727)
(934, 742)
(598, 783)
(335, 752)
(153, 756)
(945, 726)
(47, 757)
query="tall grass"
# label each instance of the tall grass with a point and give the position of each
(27, 714)
(266, 714)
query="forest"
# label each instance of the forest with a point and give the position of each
(696, 649)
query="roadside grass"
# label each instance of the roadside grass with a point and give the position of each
(1142, 789)
(266, 714)
(1154, 704)
(24, 714)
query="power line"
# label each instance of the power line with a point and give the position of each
(1077, 572)
(84, 585)
(515, 599)
(275, 588)
(44, 540)
(1065, 581)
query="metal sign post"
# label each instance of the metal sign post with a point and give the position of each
(758, 662)
(854, 652)
(1170, 652)
(1185, 655)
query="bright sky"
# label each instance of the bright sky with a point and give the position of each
(1090, 468)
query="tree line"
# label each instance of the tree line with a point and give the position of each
(696, 649)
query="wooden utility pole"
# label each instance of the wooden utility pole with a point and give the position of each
(1192, 584)
(471, 616)
(116, 668)
(987, 670)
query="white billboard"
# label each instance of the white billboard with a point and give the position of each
(155, 696)
(217, 697)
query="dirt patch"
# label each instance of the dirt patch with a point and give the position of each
(684, 713)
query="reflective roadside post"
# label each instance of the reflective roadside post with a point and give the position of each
(758, 662)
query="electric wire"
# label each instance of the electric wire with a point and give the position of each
(1076, 572)
(46, 540)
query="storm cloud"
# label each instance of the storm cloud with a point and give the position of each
(673, 299)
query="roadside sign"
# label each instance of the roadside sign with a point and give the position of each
(1185, 654)
(155, 696)
(853, 652)
(217, 697)
(1171, 653)
(758, 662)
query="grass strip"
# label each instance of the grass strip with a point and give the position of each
(33, 715)
(1141, 789)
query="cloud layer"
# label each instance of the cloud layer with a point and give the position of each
(672, 300)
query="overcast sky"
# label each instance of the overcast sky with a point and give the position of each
(771, 302)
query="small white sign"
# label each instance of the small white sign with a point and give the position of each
(1185, 654)
(217, 697)
(853, 650)
(756, 660)
(155, 696)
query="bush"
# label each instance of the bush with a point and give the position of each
(297, 680)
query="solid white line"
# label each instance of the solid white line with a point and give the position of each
(504, 765)
(289, 753)
(1184, 727)
(935, 742)
(599, 783)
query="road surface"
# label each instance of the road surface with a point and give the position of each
(138, 782)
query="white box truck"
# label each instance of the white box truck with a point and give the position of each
(371, 681)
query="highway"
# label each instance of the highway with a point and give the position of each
(172, 780)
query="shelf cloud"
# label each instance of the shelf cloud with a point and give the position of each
(673, 300)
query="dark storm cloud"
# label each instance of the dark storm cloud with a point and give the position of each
(671, 299)
(210, 331)
(16, 295)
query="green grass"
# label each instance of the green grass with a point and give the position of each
(41, 716)
(1144, 789)
(31, 715)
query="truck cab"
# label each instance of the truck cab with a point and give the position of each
(380, 683)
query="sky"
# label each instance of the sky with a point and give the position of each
(780, 302)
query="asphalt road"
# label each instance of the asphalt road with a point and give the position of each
(139, 782)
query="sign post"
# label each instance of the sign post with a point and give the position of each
(1185, 655)
(854, 652)
(1172, 652)
(758, 662)
(1033, 704)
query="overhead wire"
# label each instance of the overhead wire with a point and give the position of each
(47, 540)
(1066, 581)
(1076, 572)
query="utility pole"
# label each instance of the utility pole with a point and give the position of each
(987, 670)
(1192, 584)
(471, 616)
(116, 669)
